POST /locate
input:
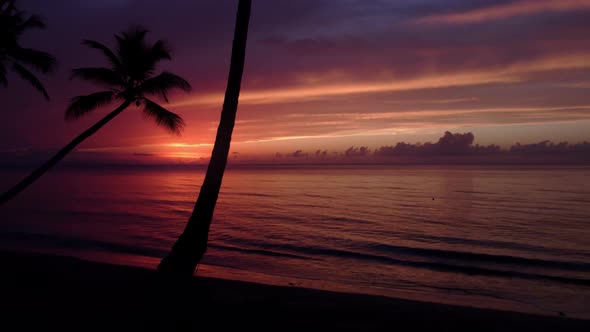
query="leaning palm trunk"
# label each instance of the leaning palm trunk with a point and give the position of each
(188, 251)
(60, 155)
(131, 79)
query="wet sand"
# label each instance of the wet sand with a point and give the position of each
(62, 293)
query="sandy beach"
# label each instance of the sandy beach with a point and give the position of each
(57, 293)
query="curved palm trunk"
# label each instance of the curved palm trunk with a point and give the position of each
(190, 247)
(60, 155)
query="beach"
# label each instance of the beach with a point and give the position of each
(63, 293)
(501, 238)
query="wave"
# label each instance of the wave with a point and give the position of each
(497, 244)
(76, 244)
(255, 251)
(388, 252)
(63, 213)
(250, 194)
(309, 253)
(476, 192)
(377, 249)
(480, 257)
(316, 196)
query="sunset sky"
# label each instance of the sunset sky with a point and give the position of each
(320, 74)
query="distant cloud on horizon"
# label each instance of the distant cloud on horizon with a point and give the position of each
(450, 148)
(458, 147)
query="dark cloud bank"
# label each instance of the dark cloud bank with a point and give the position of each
(451, 148)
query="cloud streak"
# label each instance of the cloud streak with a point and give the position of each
(326, 74)
(509, 74)
(508, 10)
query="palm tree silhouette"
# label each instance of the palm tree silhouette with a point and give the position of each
(190, 247)
(13, 24)
(129, 79)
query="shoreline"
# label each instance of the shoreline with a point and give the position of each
(449, 296)
(70, 293)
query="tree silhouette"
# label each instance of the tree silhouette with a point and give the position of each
(129, 79)
(13, 24)
(190, 247)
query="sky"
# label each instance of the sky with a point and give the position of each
(320, 75)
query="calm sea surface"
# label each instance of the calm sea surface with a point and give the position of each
(514, 238)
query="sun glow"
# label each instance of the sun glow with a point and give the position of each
(186, 145)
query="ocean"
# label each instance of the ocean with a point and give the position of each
(506, 237)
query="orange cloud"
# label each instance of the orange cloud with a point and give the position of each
(507, 74)
(520, 8)
(437, 112)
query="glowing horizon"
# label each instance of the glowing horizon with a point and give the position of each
(508, 71)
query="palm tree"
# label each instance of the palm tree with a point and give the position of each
(190, 247)
(13, 24)
(129, 79)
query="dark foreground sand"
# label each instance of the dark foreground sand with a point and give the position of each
(58, 293)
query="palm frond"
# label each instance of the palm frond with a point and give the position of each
(82, 105)
(25, 74)
(160, 51)
(31, 22)
(15, 17)
(138, 57)
(6, 6)
(3, 79)
(130, 42)
(40, 60)
(164, 118)
(104, 76)
(161, 84)
(110, 55)
(151, 56)
(133, 52)
(135, 33)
